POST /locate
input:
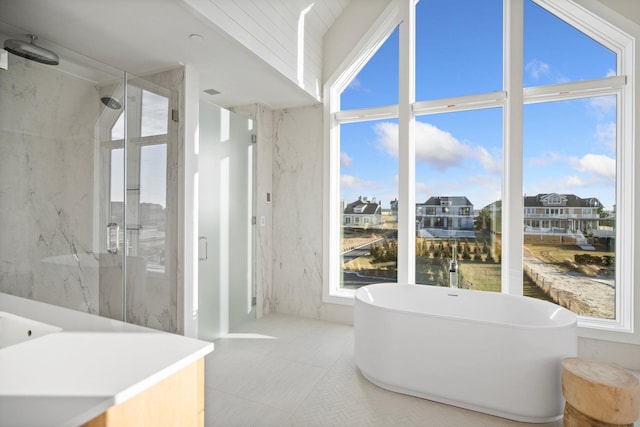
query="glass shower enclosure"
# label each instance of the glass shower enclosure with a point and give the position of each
(89, 159)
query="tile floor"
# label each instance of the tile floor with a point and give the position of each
(289, 371)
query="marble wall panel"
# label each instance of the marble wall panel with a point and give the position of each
(263, 121)
(47, 123)
(297, 211)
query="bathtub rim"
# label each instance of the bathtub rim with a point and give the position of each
(556, 326)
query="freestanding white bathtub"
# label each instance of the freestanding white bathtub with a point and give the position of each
(489, 352)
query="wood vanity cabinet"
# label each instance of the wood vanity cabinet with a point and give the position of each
(177, 400)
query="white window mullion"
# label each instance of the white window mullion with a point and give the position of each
(332, 225)
(366, 114)
(406, 149)
(574, 90)
(512, 202)
(460, 103)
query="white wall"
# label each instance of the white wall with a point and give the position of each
(347, 31)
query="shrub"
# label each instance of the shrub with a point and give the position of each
(588, 259)
(385, 252)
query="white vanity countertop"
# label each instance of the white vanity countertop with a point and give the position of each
(70, 377)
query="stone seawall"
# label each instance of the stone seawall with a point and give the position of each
(583, 295)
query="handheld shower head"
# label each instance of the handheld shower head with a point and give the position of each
(31, 51)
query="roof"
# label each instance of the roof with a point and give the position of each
(454, 201)
(363, 207)
(564, 200)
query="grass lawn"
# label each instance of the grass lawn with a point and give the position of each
(483, 276)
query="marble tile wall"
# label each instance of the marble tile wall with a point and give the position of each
(47, 125)
(263, 119)
(297, 212)
(298, 173)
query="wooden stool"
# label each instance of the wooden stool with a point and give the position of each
(599, 394)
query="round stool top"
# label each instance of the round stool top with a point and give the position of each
(601, 390)
(600, 372)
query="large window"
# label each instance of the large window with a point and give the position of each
(510, 142)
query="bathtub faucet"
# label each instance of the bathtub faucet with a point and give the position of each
(453, 270)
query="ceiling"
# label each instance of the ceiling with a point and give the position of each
(144, 36)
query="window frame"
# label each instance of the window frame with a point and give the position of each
(512, 99)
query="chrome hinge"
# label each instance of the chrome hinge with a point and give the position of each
(254, 139)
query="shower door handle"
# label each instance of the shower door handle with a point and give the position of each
(206, 248)
(113, 248)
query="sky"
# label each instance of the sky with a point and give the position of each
(569, 146)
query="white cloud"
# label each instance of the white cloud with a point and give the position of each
(611, 73)
(597, 164)
(586, 175)
(436, 147)
(356, 85)
(438, 187)
(570, 184)
(345, 160)
(574, 181)
(424, 190)
(350, 181)
(537, 68)
(546, 159)
(490, 182)
(387, 137)
(603, 104)
(606, 135)
(490, 163)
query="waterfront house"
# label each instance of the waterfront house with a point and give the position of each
(363, 214)
(446, 213)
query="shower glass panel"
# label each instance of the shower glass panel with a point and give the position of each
(88, 187)
(109, 185)
(151, 201)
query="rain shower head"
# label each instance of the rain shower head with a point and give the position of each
(31, 51)
(111, 102)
